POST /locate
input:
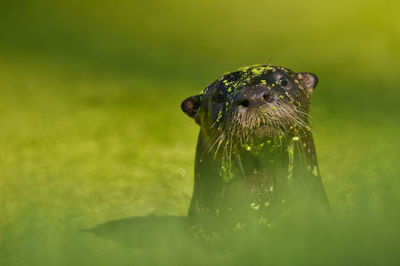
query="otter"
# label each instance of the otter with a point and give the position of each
(255, 152)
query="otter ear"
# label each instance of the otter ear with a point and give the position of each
(309, 81)
(191, 105)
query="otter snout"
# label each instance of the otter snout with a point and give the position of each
(255, 97)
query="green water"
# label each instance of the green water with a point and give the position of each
(91, 128)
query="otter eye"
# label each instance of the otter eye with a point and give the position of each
(283, 82)
(219, 97)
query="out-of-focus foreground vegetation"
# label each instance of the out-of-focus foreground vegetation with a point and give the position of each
(91, 129)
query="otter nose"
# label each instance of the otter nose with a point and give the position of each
(255, 100)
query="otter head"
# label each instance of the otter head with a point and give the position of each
(254, 103)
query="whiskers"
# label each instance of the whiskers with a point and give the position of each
(239, 127)
(274, 124)
(219, 140)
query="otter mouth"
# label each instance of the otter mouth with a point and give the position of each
(267, 122)
(263, 130)
(263, 122)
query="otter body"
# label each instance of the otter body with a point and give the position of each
(255, 153)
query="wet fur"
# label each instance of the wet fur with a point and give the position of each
(221, 150)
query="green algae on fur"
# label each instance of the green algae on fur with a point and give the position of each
(255, 140)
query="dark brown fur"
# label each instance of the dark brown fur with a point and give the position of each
(255, 151)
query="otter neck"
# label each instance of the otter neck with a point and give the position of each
(256, 179)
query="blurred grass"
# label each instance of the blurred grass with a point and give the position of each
(91, 129)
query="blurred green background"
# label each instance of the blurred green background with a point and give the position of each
(91, 128)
